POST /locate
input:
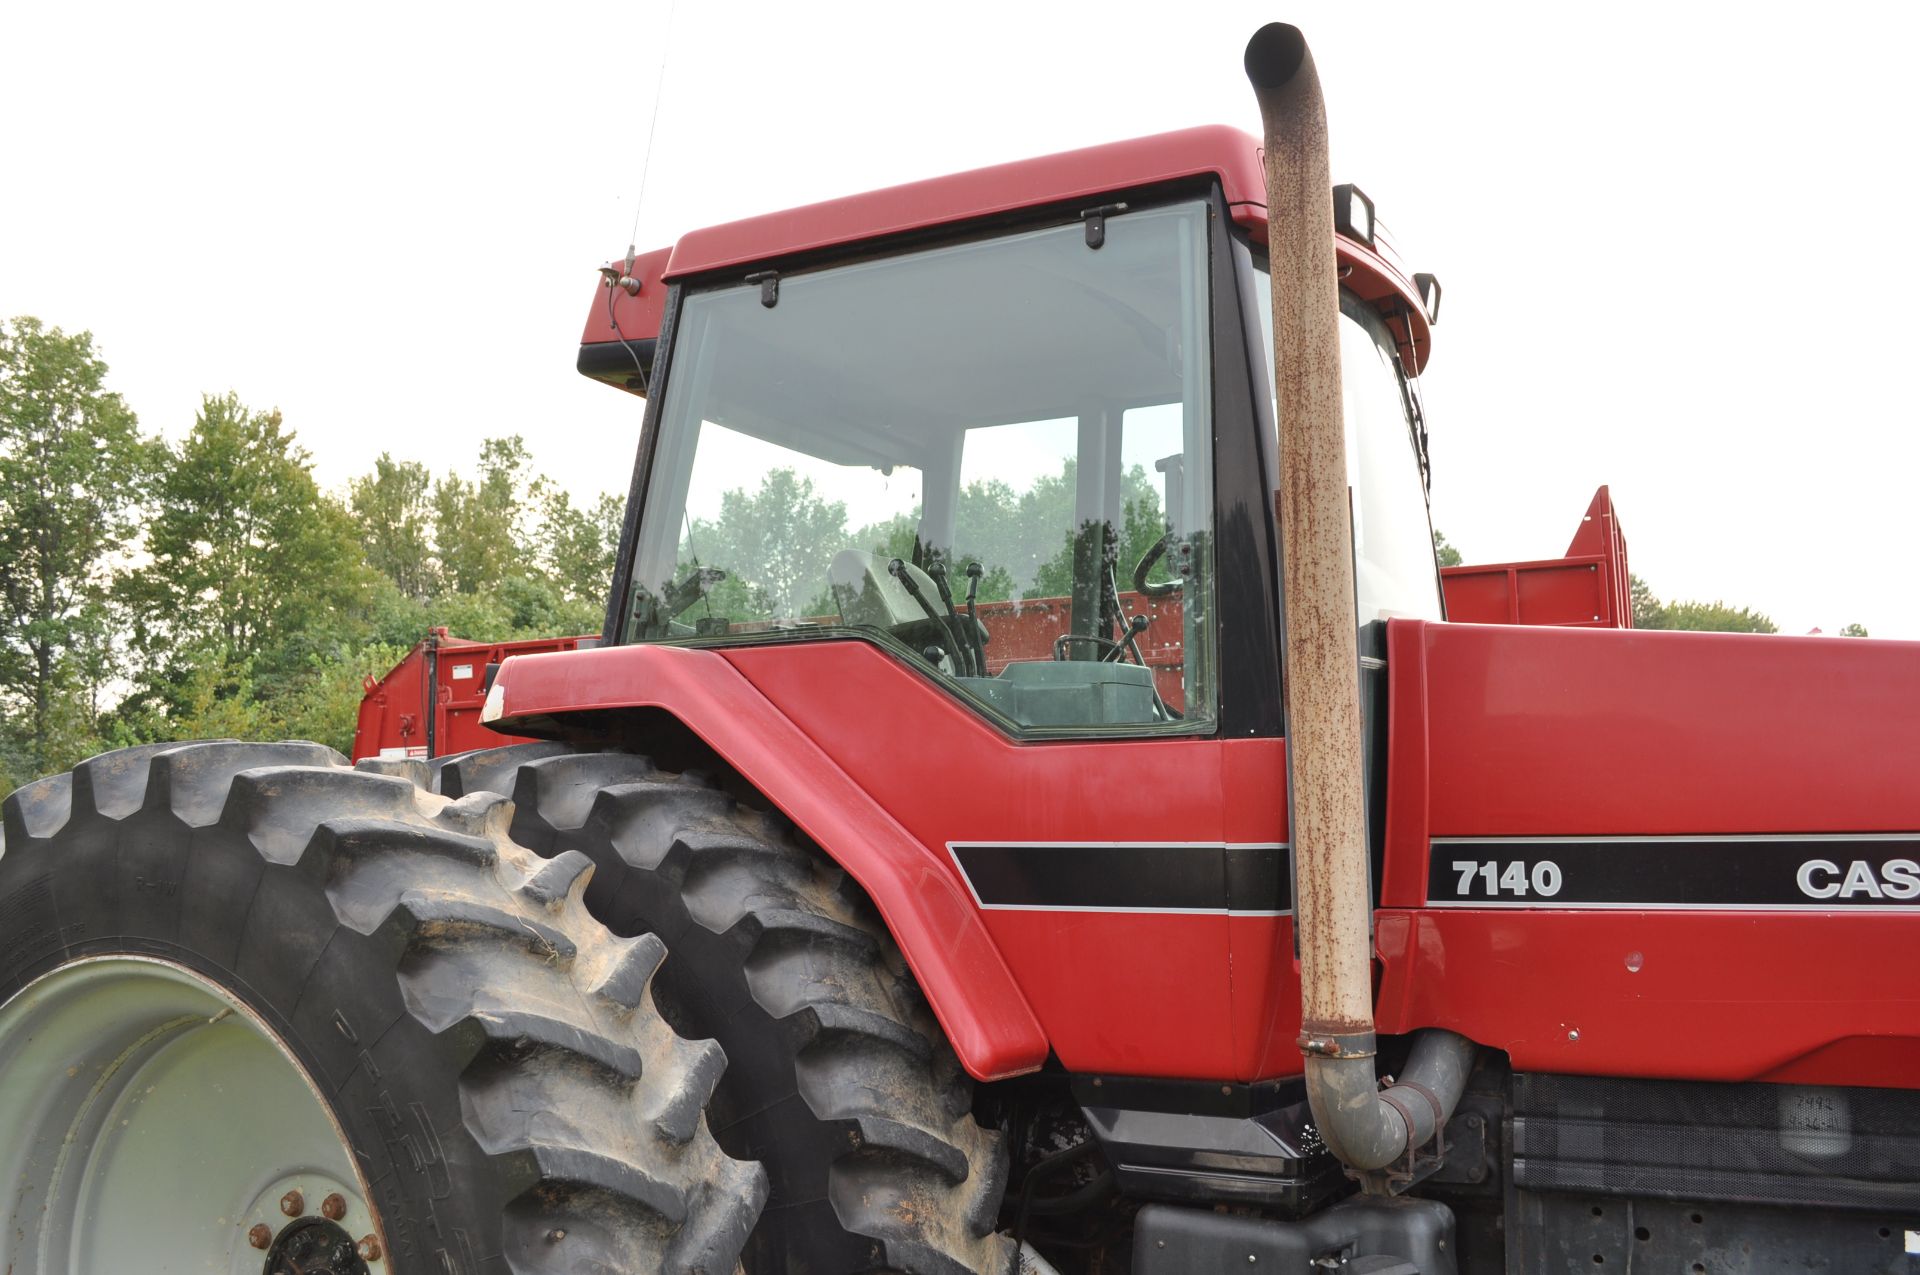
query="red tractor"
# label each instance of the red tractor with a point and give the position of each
(1026, 811)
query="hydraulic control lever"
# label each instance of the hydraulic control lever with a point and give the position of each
(897, 568)
(974, 631)
(937, 571)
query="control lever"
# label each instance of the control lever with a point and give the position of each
(1135, 627)
(897, 568)
(974, 631)
(1130, 627)
(937, 571)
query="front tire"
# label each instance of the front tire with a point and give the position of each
(491, 1086)
(839, 1079)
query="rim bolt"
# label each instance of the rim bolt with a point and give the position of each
(293, 1204)
(260, 1236)
(368, 1248)
(334, 1207)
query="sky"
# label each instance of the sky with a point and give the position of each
(1668, 234)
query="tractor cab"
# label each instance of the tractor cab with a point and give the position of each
(1028, 457)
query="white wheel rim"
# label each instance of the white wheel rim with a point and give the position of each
(149, 1121)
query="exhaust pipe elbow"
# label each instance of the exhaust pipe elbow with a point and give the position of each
(1368, 1128)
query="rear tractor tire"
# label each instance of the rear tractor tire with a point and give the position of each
(839, 1079)
(263, 1012)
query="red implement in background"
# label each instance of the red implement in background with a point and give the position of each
(428, 705)
(1586, 589)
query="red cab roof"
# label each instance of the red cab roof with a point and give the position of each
(1228, 154)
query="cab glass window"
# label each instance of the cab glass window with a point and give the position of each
(990, 458)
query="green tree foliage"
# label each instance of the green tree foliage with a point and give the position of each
(1854, 630)
(210, 587)
(578, 544)
(1648, 613)
(247, 554)
(72, 464)
(394, 508)
(483, 527)
(1716, 617)
(254, 595)
(513, 556)
(1447, 555)
(775, 544)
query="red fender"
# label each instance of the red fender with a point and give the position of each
(985, 1015)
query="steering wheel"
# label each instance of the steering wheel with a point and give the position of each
(1110, 650)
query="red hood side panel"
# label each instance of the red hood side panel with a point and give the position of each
(1574, 732)
(1693, 758)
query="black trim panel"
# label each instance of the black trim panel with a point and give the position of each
(1245, 472)
(1823, 872)
(1091, 876)
(627, 364)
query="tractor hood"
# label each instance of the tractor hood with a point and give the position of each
(1601, 843)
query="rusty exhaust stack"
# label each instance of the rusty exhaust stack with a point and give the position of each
(1365, 1128)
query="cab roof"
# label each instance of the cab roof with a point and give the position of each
(1091, 174)
(1226, 153)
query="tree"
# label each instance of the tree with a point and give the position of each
(1044, 516)
(1647, 611)
(1854, 630)
(775, 544)
(255, 576)
(1447, 555)
(1715, 617)
(393, 508)
(578, 545)
(483, 529)
(72, 466)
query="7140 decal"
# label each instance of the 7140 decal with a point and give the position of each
(1542, 877)
(1758, 872)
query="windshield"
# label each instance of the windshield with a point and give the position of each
(1393, 564)
(992, 458)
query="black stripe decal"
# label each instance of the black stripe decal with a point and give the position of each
(1089, 876)
(1761, 872)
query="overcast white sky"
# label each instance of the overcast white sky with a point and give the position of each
(1670, 235)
